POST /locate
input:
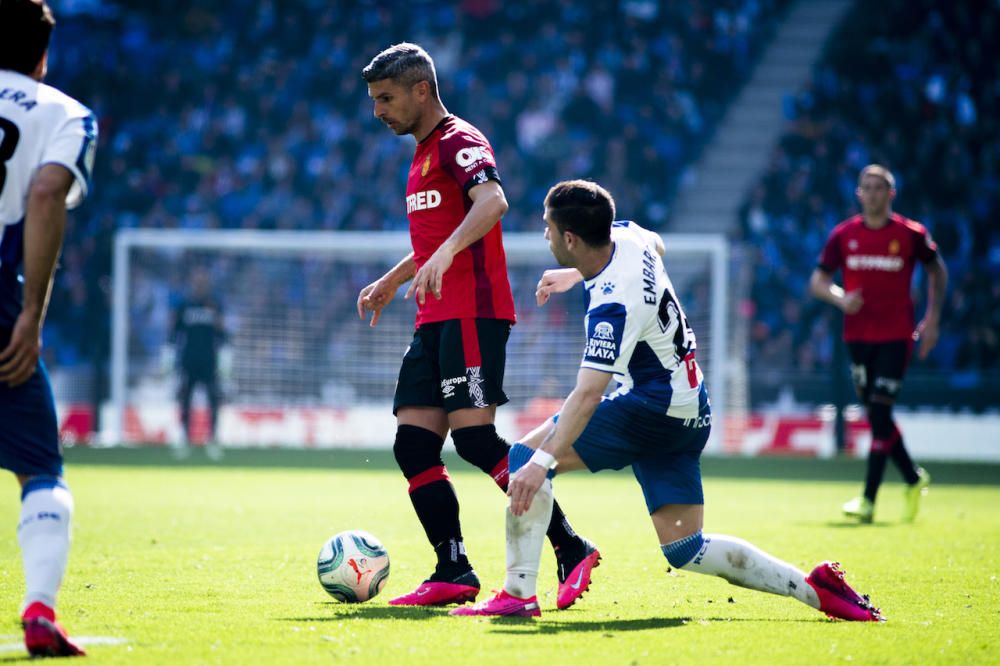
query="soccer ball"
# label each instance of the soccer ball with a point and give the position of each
(353, 566)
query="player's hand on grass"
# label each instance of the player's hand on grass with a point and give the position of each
(430, 276)
(523, 485)
(19, 358)
(556, 281)
(373, 298)
(852, 302)
(927, 334)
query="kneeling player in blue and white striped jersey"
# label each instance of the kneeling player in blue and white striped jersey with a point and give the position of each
(657, 421)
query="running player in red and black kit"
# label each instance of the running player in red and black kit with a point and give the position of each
(877, 252)
(452, 373)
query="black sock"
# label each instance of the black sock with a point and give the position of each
(560, 533)
(437, 508)
(418, 453)
(883, 438)
(451, 559)
(901, 457)
(873, 477)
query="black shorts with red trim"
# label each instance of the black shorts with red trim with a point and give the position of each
(454, 364)
(877, 368)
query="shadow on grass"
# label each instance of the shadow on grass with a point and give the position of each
(505, 625)
(340, 612)
(844, 524)
(13, 658)
(527, 625)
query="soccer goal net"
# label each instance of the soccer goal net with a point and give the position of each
(305, 371)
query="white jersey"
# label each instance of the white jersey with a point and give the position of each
(636, 328)
(38, 125)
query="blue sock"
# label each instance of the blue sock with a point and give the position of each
(519, 456)
(682, 551)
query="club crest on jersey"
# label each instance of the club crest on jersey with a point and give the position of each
(426, 167)
(423, 200)
(605, 325)
(604, 331)
(894, 246)
(607, 288)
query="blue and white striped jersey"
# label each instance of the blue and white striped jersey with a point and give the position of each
(38, 125)
(636, 328)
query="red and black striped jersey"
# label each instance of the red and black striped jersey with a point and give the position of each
(450, 161)
(880, 263)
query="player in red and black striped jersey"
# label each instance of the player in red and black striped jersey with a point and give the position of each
(877, 252)
(452, 373)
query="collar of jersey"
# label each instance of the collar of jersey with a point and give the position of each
(437, 127)
(589, 284)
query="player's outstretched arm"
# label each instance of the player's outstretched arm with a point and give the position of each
(822, 287)
(377, 295)
(556, 281)
(573, 418)
(44, 225)
(937, 282)
(488, 205)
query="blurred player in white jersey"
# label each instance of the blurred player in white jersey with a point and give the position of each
(47, 142)
(657, 421)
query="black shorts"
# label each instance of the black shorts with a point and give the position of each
(878, 367)
(454, 364)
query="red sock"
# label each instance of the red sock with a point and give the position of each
(38, 609)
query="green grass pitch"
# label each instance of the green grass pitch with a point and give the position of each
(215, 564)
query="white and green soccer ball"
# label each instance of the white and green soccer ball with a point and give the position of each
(353, 566)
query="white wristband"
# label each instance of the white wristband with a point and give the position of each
(543, 459)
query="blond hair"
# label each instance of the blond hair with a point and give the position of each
(879, 171)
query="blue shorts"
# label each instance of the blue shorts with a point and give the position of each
(29, 432)
(663, 451)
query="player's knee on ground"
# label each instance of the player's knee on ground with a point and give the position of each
(682, 551)
(416, 450)
(483, 447)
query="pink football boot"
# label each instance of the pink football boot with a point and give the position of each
(441, 593)
(574, 576)
(838, 599)
(43, 637)
(502, 604)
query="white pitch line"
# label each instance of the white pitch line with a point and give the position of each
(80, 640)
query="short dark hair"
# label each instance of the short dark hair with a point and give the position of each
(404, 63)
(584, 208)
(25, 28)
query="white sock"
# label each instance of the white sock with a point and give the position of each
(525, 536)
(43, 533)
(741, 563)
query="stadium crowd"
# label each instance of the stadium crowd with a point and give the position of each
(252, 114)
(913, 85)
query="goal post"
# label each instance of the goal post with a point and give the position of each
(307, 372)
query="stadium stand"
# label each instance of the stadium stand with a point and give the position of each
(912, 85)
(250, 114)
